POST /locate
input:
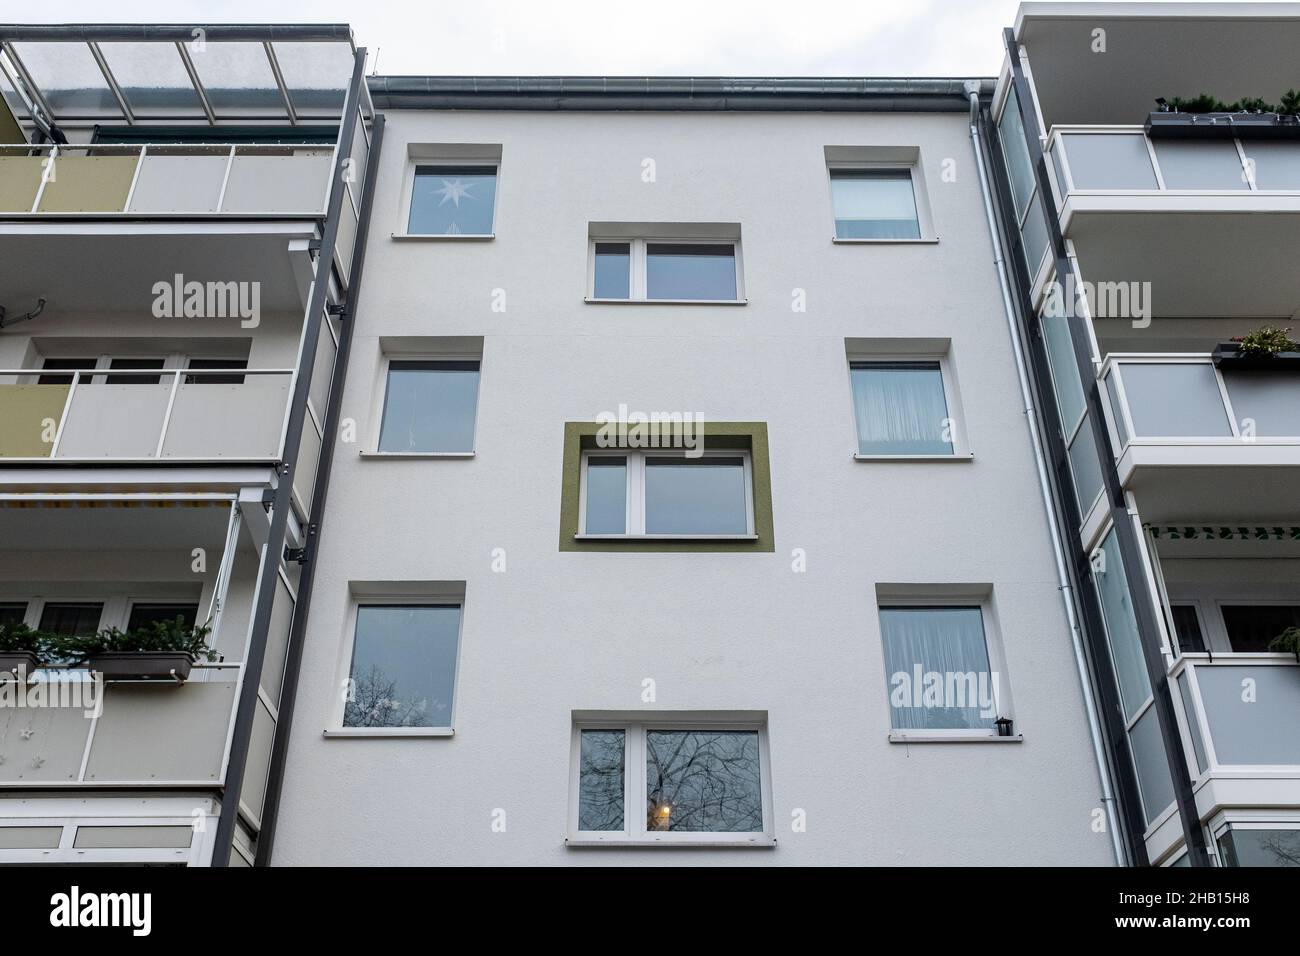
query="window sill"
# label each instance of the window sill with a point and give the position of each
(665, 537)
(758, 843)
(590, 301)
(442, 237)
(885, 242)
(417, 454)
(970, 456)
(953, 737)
(389, 732)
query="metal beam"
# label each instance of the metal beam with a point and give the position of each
(279, 81)
(193, 74)
(273, 554)
(111, 80)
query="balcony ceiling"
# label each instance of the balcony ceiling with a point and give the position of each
(139, 528)
(1200, 265)
(84, 272)
(1229, 50)
(176, 73)
(1237, 495)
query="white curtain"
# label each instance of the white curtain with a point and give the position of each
(900, 409)
(949, 642)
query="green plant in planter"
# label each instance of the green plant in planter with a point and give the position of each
(1266, 341)
(1205, 103)
(1290, 105)
(17, 638)
(1252, 104)
(1287, 642)
(158, 637)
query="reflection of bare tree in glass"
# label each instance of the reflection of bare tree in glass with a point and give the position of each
(703, 781)
(1284, 845)
(600, 780)
(375, 703)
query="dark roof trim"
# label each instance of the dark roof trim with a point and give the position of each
(870, 94)
(170, 32)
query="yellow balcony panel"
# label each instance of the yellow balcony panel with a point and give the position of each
(89, 184)
(29, 416)
(20, 178)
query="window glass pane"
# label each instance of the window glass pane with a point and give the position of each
(600, 780)
(1085, 468)
(1065, 370)
(152, 79)
(695, 496)
(453, 200)
(1252, 627)
(403, 666)
(430, 407)
(606, 496)
(1012, 134)
(132, 363)
(216, 379)
(1116, 407)
(690, 271)
(874, 204)
(1121, 628)
(1244, 727)
(1174, 401)
(1277, 165)
(142, 615)
(1034, 236)
(1189, 711)
(12, 613)
(1154, 781)
(1270, 399)
(1200, 165)
(1188, 627)
(937, 665)
(703, 781)
(71, 619)
(237, 78)
(1240, 847)
(68, 75)
(900, 408)
(613, 270)
(1062, 186)
(1109, 161)
(74, 364)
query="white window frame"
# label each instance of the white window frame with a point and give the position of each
(920, 201)
(408, 194)
(1248, 819)
(634, 832)
(634, 523)
(348, 646)
(993, 647)
(961, 450)
(637, 268)
(377, 411)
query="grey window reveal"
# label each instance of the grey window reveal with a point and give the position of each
(695, 496)
(430, 406)
(403, 666)
(874, 204)
(606, 495)
(691, 271)
(601, 779)
(703, 781)
(453, 201)
(901, 408)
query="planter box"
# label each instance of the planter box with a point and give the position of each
(1222, 126)
(1229, 356)
(142, 665)
(17, 662)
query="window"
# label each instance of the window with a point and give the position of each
(65, 364)
(216, 378)
(901, 409)
(453, 200)
(403, 667)
(647, 269)
(71, 619)
(666, 780)
(874, 203)
(1259, 845)
(429, 407)
(12, 612)
(1187, 625)
(134, 364)
(145, 614)
(667, 494)
(1252, 627)
(938, 669)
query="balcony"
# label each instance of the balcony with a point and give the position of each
(1210, 224)
(1198, 442)
(214, 415)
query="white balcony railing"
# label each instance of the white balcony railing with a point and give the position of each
(209, 415)
(1123, 160)
(1232, 729)
(167, 180)
(1164, 399)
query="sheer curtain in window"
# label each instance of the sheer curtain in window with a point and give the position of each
(949, 642)
(900, 408)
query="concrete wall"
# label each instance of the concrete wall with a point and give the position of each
(558, 632)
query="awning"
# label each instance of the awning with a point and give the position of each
(78, 75)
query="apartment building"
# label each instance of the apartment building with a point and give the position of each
(1147, 240)
(701, 471)
(179, 212)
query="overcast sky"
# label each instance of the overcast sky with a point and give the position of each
(694, 37)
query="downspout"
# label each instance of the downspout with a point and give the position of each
(1044, 485)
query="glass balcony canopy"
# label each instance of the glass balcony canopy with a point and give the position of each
(176, 73)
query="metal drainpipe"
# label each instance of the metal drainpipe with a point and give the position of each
(1058, 550)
